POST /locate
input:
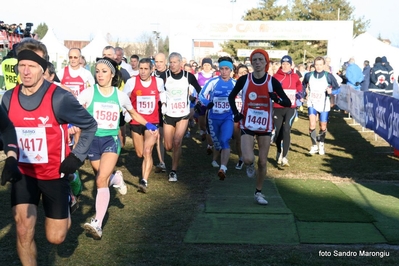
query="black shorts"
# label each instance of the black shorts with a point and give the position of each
(254, 133)
(160, 114)
(140, 129)
(55, 195)
(173, 120)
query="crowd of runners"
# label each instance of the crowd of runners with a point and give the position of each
(61, 119)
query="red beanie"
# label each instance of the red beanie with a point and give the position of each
(265, 54)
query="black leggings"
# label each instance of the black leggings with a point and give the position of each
(283, 120)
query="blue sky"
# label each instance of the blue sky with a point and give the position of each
(80, 20)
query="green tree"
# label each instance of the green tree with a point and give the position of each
(41, 30)
(163, 45)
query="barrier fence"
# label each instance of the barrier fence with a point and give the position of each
(377, 112)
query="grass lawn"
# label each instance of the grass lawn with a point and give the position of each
(149, 229)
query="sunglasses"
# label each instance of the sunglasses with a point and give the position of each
(73, 57)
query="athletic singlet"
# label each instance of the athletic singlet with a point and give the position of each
(318, 98)
(42, 141)
(257, 106)
(105, 110)
(76, 84)
(145, 101)
(177, 92)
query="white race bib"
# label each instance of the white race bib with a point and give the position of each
(106, 115)
(32, 144)
(221, 105)
(256, 120)
(146, 104)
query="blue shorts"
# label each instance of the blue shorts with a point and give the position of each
(102, 145)
(323, 116)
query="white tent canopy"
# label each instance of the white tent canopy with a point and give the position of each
(56, 50)
(95, 48)
(367, 47)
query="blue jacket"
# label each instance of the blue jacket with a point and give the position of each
(354, 75)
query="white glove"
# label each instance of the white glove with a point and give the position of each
(163, 109)
(128, 117)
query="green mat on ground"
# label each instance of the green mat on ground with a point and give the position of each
(380, 200)
(243, 229)
(319, 201)
(235, 195)
(338, 233)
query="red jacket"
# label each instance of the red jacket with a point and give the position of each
(291, 84)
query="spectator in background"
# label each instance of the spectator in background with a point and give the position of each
(388, 75)
(353, 74)
(378, 82)
(364, 85)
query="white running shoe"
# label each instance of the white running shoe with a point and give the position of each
(321, 148)
(215, 164)
(122, 188)
(279, 157)
(94, 229)
(161, 167)
(314, 149)
(143, 185)
(172, 177)
(260, 198)
(284, 162)
(239, 165)
(251, 170)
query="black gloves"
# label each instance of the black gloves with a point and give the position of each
(192, 99)
(70, 164)
(210, 105)
(197, 107)
(10, 172)
(274, 97)
(238, 117)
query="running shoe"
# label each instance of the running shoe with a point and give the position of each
(279, 157)
(215, 164)
(160, 168)
(143, 185)
(314, 149)
(251, 170)
(172, 177)
(94, 229)
(284, 162)
(260, 198)
(76, 184)
(122, 188)
(239, 165)
(221, 174)
(321, 148)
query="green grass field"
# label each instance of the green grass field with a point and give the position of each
(150, 229)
